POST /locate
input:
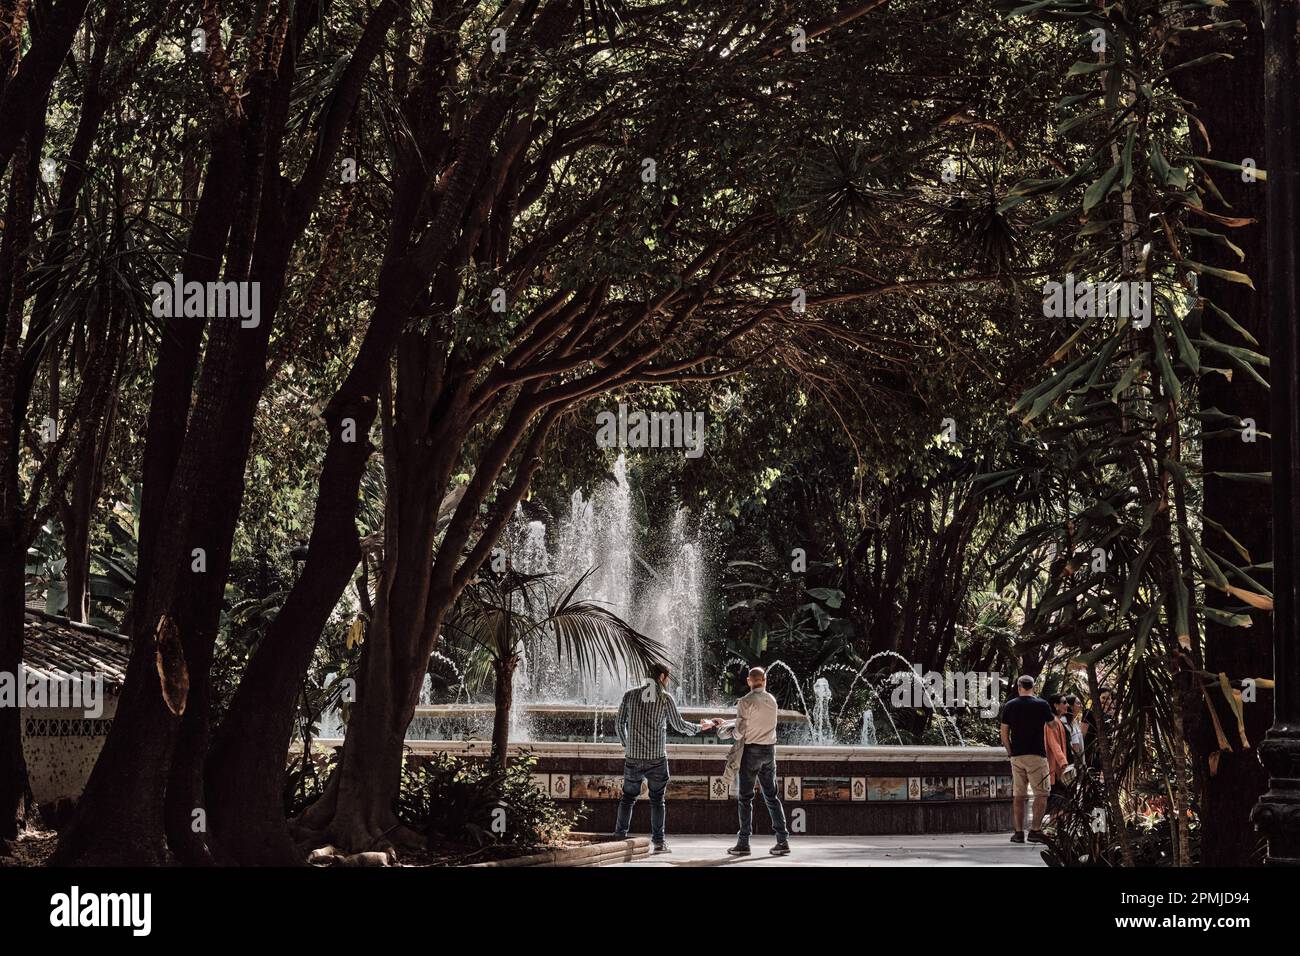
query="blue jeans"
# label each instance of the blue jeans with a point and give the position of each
(655, 773)
(759, 762)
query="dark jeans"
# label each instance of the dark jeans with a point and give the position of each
(654, 773)
(759, 762)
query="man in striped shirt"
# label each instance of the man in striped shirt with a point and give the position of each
(644, 717)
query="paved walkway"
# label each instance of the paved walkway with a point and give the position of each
(952, 849)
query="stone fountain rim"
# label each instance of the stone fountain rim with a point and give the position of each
(586, 710)
(884, 753)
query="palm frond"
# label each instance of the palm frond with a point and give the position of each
(586, 633)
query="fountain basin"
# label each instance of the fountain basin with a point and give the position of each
(592, 723)
(838, 789)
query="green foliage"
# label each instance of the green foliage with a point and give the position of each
(915, 172)
(501, 612)
(1074, 837)
(306, 779)
(775, 618)
(454, 800)
(1106, 471)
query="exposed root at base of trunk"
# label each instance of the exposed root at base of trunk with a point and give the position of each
(355, 839)
(333, 856)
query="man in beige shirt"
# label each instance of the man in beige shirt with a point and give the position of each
(755, 727)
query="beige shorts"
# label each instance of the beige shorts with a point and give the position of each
(1029, 775)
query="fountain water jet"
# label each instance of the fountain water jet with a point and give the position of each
(868, 736)
(822, 733)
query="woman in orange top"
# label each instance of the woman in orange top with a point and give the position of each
(1055, 740)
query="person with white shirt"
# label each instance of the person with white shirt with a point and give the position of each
(755, 727)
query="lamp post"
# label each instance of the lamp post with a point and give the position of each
(1277, 814)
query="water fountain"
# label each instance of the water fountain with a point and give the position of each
(868, 736)
(566, 719)
(822, 733)
(663, 593)
(330, 725)
(911, 674)
(786, 667)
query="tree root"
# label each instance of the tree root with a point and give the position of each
(331, 855)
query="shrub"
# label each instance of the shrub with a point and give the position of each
(1071, 840)
(450, 799)
(305, 780)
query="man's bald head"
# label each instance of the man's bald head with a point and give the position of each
(757, 678)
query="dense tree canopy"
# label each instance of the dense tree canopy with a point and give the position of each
(470, 225)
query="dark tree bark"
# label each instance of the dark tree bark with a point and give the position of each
(151, 767)
(25, 95)
(14, 514)
(76, 509)
(1229, 98)
(503, 669)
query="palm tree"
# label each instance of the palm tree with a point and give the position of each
(500, 612)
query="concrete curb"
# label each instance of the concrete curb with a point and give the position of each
(603, 850)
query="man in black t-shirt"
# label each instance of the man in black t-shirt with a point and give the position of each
(1023, 720)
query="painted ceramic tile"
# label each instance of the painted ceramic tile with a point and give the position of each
(793, 789)
(938, 788)
(560, 786)
(826, 788)
(974, 788)
(887, 788)
(858, 788)
(595, 786)
(1003, 786)
(690, 788)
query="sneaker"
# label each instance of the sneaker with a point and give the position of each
(781, 849)
(1018, 836)
(1036, 836)
(740, 849)
(662, 848)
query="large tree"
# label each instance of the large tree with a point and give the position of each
(74, 332)
(1228, 96)
(667, 205)
(474, 224)
(257, 199)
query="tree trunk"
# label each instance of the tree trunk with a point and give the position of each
(1179, 808)
(77, 512)
(1229, 100)
(1110, 784)
(504, 669)
(14, 518)
(178, 352)
(357, 810)
(120, 816)
(246, 765)
(76, 548)
(184, 814)
(24, 98)
(13, 769)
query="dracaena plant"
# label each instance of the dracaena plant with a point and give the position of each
(1115, 428)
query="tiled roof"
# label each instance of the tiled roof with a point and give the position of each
(55, 647)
